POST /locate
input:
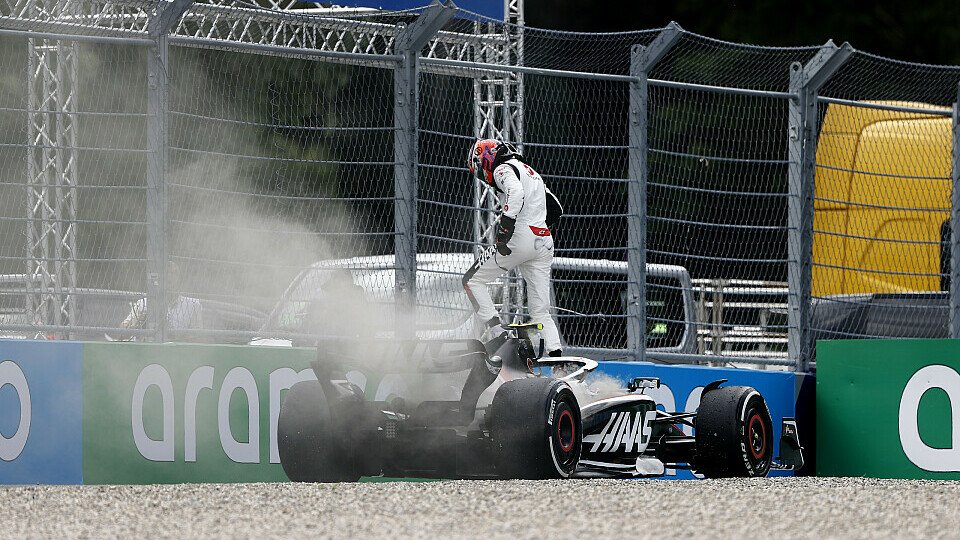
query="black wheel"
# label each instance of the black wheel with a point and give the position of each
(536, 428)
(310, 443)
(734, 434)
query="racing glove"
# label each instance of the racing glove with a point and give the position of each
(504, 233)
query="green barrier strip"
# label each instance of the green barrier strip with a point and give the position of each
(884, 408)
(184, 413)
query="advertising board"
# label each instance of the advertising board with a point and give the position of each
(889, 408)
(135, 413)
(185, 413)
(40, 412)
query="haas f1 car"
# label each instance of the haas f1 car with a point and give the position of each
(469, 410)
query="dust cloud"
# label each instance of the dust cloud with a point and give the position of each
(260, 185)
(255, 189)
(604, 386)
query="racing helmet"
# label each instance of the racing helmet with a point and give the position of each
(486, 155)
(481, 158)
(505, 150)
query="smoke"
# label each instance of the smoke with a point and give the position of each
(249, 208)
(256, 190)
(604, 386)
(232, 246)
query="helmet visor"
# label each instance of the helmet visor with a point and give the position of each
(480, 174)
(474, 165)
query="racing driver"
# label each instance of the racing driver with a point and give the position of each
(523, 237)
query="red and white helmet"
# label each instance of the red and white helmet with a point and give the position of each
(481, 158)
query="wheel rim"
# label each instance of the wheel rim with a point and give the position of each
(563, 438)
(566, 431)
(757, 437)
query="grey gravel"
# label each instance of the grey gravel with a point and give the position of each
(784, 507)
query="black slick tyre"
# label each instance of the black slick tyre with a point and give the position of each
(309, 441)
(734, 434)
(536, 429)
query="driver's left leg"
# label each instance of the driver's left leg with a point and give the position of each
(486, 269)
(536, 273)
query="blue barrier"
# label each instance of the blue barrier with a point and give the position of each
(680, 388)
(41, 417)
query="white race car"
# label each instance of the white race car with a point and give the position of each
(506, 412)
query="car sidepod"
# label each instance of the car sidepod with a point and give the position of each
(617, 432)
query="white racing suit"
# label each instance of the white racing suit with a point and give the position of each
(524, 197)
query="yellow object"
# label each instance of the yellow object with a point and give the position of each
(882, 194)
(535, 326)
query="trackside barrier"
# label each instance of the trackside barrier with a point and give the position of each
(41, 412)
(902, 421)
(131, 413)
(185, 413)
(138, 413)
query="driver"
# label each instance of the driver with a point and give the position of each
(524, 239)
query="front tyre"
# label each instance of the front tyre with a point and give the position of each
(536, 429)
(734, 434)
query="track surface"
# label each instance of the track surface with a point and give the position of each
(807, 507)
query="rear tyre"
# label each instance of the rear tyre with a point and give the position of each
(734, 434)
(310, 441)
(536, 429)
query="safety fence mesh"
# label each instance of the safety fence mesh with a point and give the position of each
(276, 164)
(13, 144)
(73, 185)
(717, 189)
(881, 245)
(575, 138)
(278, 136)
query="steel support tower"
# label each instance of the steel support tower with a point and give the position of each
(498, 114)
(51, 175)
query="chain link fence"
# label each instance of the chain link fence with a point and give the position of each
(275, 175)
(881, 250)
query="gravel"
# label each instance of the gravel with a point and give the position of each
(791, 507)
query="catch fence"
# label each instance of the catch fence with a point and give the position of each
(282, 174)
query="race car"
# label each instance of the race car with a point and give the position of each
(465, 409)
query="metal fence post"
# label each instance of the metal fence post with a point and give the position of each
(157, 108)
(955, 225)
(409, 42)
(156, 185)
(805, 83)
(642, 60)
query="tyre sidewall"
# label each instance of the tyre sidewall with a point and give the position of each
(563, 412)
(521, 449)
(309, 440)
(755, 417)
(723, 433)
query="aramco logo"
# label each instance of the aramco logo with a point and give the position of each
(918, 452)
(238, 379)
